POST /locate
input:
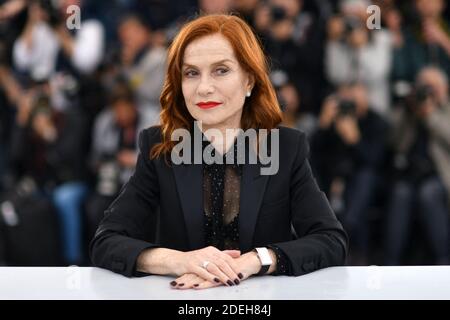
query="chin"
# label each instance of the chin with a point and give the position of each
(209, 121)
(208, 118)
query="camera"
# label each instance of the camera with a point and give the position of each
(418, 96)
(52, 10)
(346, 107)
(277, 13)
(351, 24)
(422, 93)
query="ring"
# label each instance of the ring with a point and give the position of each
(205, 264)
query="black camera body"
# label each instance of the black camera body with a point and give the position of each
(351, 24)
(277, 13)
(422, 93)
(346, 108)
(419, 95)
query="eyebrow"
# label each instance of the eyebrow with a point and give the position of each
(214, 64)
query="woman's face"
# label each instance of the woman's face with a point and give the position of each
(214, 84)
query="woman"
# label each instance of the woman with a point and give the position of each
(218, 224)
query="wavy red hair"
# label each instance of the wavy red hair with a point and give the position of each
(261, 110)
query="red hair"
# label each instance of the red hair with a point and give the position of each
(261, 110)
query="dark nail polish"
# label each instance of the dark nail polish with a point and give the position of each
(236, 281)
(240, 275)
(173, 283)
(216, 280)
(181, 284)
(230, 283)
(196, 285)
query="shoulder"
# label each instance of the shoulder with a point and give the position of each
(149, 137)
(292, 142)
(290, 136)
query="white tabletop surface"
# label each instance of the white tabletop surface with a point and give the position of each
(406, 282)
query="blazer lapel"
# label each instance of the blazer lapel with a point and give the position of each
(190, 190)
(253, 185)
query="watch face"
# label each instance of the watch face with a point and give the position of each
(264, 256)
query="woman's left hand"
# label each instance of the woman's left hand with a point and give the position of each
(248, 264)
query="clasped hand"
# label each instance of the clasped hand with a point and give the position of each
(210, 267)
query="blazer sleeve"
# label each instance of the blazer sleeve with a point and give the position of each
(121, 235)
(321, 240)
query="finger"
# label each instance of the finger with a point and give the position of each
(206, 285)
(223, 271)
(232, 269)
(225, 267)
(180, 281)
(212, 274)
(192, 282)
(232, 253)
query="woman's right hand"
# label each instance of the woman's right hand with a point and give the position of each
(221, 267)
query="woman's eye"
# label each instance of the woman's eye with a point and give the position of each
(221, 71)
(190, 73)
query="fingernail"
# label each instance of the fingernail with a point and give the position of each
(240, 275)
(196, 285)
(173, 283)
(216, 280)
(229, 283)
(236, 281)
(181, 284)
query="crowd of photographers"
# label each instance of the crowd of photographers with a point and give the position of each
(373, 102)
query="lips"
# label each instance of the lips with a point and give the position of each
(208, 104)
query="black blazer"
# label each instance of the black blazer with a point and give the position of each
(162, 206)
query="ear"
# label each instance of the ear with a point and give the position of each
(251, 81)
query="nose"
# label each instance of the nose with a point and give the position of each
(205, 86)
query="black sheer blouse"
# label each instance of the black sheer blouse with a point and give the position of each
(221, 197)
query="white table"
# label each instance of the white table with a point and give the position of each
(406, 282)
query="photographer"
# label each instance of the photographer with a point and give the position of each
(293, 115)
(141, 63)
(113, 154)
(354, 53)
(421, 145)
(49, 147)
(293, 38)
(46, 44)
(347, 149)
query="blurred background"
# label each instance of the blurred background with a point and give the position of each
(374, 105)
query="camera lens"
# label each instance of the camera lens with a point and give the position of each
(277, 13)
(347, 107)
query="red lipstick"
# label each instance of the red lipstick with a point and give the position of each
(208, 104)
